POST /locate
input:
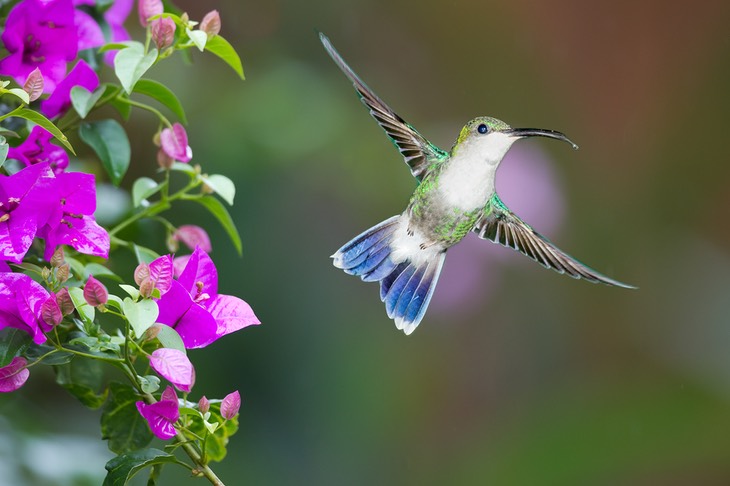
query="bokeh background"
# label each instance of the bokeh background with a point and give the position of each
(517, 375)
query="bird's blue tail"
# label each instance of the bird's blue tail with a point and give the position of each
(406, 287)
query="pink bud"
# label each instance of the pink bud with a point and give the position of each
(164, 160)
(193, 236)
(147, 9)
(57, 259)
(163, 32)
(51, 312)
(64, 302)
(34, 84)
(230, 405)
(174, 142)
(203, 405)
(141, 273)
(63, 272)
(95, 293)
(211, 24)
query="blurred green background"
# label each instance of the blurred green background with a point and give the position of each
(517, 375)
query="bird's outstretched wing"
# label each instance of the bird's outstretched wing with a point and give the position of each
(502, 226)
(418, 152)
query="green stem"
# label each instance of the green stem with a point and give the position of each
(149, 108)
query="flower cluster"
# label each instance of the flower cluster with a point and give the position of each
(53, 253)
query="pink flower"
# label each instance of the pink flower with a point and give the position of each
(60, 100)
(39, 34)
(211, 23)
(14, 375)
(163, 32)
(174, 366)
(38, 149)
(174, 143)
(230, 405)
(90, 32)
(147, 9)
(21, 305)
(161, 416)
(195, 309)
(34, 85)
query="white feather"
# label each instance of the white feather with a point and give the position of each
(407, 246)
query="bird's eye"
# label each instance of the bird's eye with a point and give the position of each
(482, 128)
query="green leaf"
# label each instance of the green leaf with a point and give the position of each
(163, 94)
(4, 148)
(144, 254)
(124, 109)
(86, 311)
(41, 120)
(83, 378)
(198, 37)
(143, 188)
(187, 168)
(35, 351)
(77, 268)
(121, 423)
(222, 186)
(169, 338)
(98, 270)
(149, 383)
(131, 63)
(141, 315)
(110, 142)
(221, 48)
(131, 290)
(115, 46)
(124, 467)
(216, 443)
(12, 343)
(20, 93)
(217, 209)
(84, 100)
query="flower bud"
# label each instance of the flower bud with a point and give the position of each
(63, 272)
(174, 142)
(57, 259)
(211, 24)
(230, 405)
(95, 293)
(34, 85)
(141, 273)
(51, 312)
(147, 9)
(164, 160)
(163, 32)
(64, 302)
(193, 236)
(203, 405)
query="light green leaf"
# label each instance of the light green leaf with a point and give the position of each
(222, 186)
(22, 94)
(143, 188)
(84, 100)
(217, 209)
(132, 291)
(131, 63)
(198, 37)
(221, 48)
(180, 167)
(123, 468)
(144, 254)
(4, 147)
(86, 311)
(121, 423)
(163, 94)
(141, 315)
(41, 120)
(169, 338)
(149, 383)
(110, 142)
(115, 46)
(116, 302)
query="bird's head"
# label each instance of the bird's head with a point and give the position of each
(492, 138)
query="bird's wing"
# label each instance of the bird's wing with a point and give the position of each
(502, 226)
(418, 152)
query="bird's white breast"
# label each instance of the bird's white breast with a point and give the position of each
(467, 182)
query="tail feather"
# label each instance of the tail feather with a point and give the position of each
(406, 286)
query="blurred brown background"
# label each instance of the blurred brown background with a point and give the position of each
(517, 375)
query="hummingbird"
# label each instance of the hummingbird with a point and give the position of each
(455, 195)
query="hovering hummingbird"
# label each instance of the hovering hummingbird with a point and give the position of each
(455, 195)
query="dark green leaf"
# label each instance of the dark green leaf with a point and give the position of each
(121, 423)
(12, 343)
(4, 148)
(41, 120)
(131, 63)
(221, 48)
(163, 94)
(217, 209)
(83, 378)
(84, 100)
(98, 270)
(110, 142)
(124, 467)
(35, 351)
(124, 109)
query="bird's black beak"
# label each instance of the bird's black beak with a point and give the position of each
(538, 132)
